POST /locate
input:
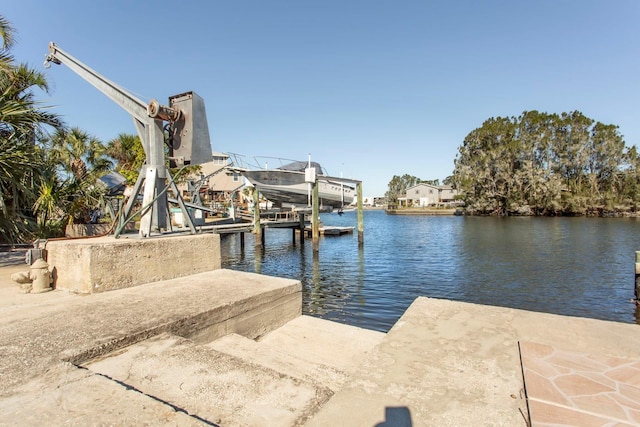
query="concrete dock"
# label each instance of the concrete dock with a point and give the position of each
(225, 348)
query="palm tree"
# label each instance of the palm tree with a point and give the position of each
(20, 115)
(127, 151)
(80, 159)
(8, 39)
(77, 153)
(17, 160)
(22, 121)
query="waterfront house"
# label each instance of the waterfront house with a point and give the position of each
(423, 195)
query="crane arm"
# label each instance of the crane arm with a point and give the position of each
(149, 119)
(137, 108)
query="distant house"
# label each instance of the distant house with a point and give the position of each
(379, 201)
(370, 201)
(367, 201)
(428, 195)
(215, 185)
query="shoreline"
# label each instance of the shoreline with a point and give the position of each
(420, 211)
(460, 212)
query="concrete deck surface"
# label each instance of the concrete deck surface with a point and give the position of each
(448, 363)
(585, 388)
(163, 354)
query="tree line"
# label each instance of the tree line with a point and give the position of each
(547, 164)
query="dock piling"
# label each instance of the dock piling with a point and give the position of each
(301, 227)
(257, 229)
(637, 283)
(315, 222)
(360, 214)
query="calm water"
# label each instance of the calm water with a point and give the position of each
(572, 266)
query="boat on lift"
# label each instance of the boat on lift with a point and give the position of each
(288, 185)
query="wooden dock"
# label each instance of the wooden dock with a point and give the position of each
(336, 231)
(244, 224)
(242, 227)
(298, 222)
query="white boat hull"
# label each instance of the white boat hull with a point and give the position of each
(283, 186)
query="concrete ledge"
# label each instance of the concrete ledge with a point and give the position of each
(103, 264)
(43, 330)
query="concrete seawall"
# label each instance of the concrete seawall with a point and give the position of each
(420, 211)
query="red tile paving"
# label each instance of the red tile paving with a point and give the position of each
(567, 388)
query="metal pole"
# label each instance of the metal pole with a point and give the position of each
(360, 215)
(309, 197)
(153, 216)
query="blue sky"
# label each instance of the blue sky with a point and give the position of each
(371, 89)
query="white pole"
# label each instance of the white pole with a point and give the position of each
(309, 185)
(341, 189)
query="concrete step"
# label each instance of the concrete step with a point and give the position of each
(307, 348)
(213, 387)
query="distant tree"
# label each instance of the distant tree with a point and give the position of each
(398, 186)
(628, 184)
(541, 163)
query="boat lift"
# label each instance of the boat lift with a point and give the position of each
(189, 142)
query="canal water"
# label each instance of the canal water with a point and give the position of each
(572, 266)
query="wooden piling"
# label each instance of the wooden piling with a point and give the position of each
(637, 284)
(301, 227)
(257, 228)
(315, 221)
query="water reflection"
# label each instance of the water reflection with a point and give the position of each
(257, 259)
(361, 277)
(316, 296)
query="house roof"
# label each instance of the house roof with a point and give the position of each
(437, 187)
(423, 184)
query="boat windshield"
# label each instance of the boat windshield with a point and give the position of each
(301, 166)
